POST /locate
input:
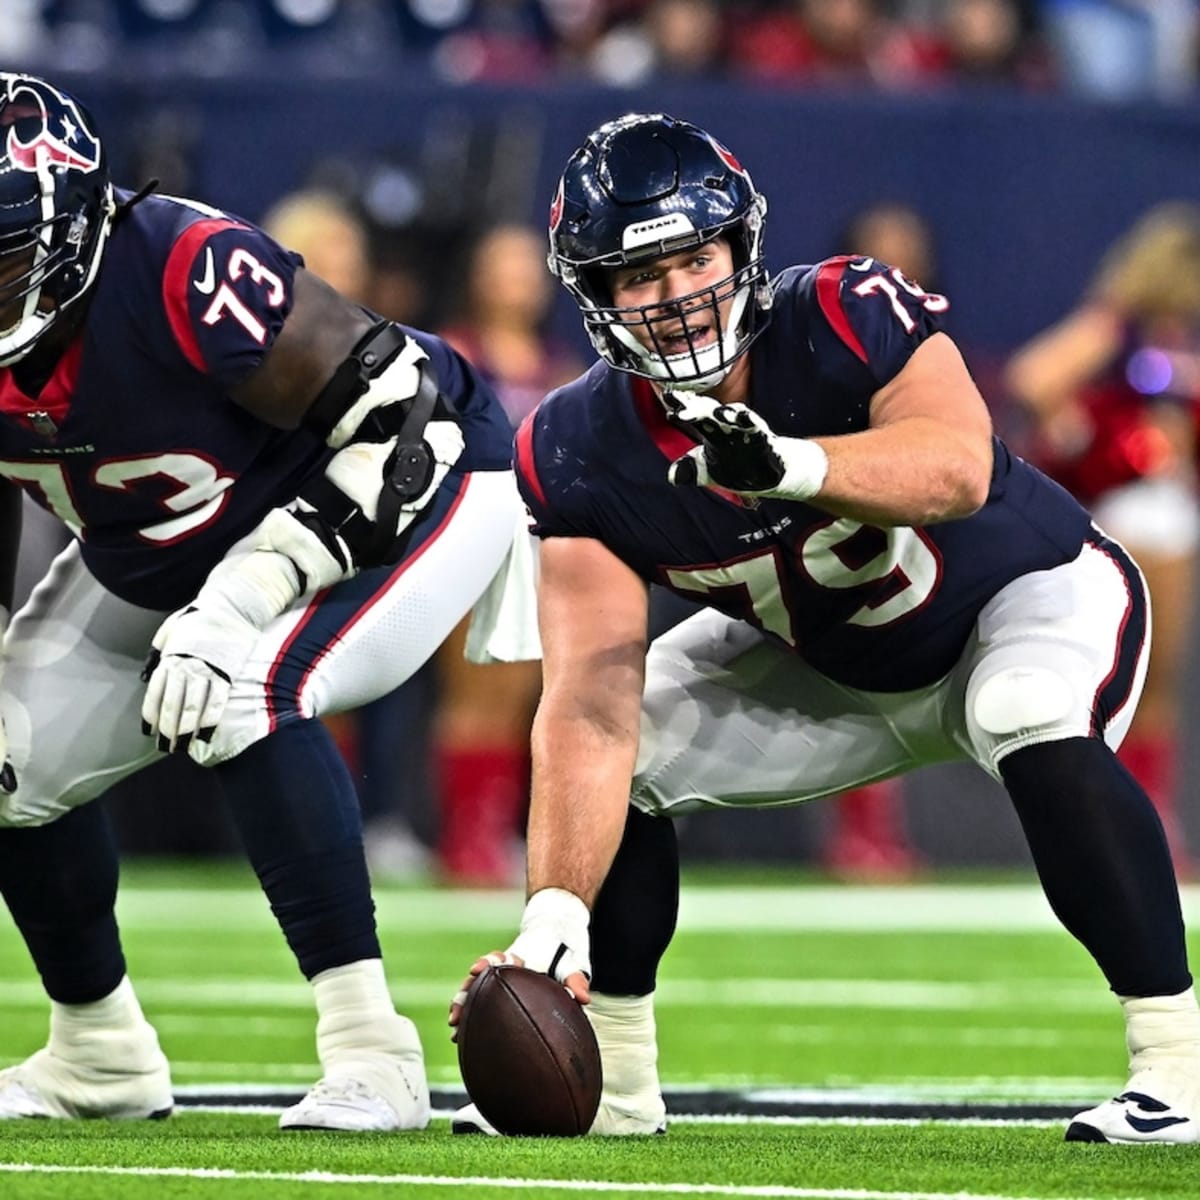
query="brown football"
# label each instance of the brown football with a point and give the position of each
(528, 1055)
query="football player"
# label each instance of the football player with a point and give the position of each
(886, 586)
(281, 505)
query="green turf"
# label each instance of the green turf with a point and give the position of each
(766, 994)
(923, 1159)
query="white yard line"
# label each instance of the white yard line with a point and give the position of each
(569, 1185)
(240, 993)
(1003, 908)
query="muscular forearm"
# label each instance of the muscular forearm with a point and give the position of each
(581, 779)
(907, 473)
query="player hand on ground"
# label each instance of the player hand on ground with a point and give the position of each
(196, 654)
(739, 452)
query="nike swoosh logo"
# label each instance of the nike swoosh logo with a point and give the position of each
(207, 282)
(865, 265)
(1152, 1124)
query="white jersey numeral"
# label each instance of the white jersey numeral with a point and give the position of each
(890, 285)
(50, 482)
(757, 577)
(227, 301)
(195, 490)
(903, 559)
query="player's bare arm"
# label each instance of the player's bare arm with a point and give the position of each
(363, 385)
(927, 456)
(321, 330)
(593, 620)
(593, 616)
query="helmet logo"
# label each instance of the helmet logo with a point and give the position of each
(727, 157)
(62, 141)
(556, 207)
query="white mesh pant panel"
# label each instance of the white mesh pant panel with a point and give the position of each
(361, 639)
(72, 689)
(730, 719)
(1078, 622)
(72, 693)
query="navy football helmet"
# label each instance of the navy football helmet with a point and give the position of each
(56, 209)
(644, 186)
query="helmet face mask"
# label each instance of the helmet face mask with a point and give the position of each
(56, 209)
(643, 188)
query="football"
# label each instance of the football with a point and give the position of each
(528, 1055)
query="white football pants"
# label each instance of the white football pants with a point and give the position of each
(72, 688)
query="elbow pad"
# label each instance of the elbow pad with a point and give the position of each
(396, 439)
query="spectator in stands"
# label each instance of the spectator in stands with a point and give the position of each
(988, 42)
(1113, 389)
(482, 722)
(831, 41)
(1125, 49)
(670, 40)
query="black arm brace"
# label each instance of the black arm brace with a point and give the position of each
(409, 467)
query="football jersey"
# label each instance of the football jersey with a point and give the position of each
(885, 609)
(135, 443)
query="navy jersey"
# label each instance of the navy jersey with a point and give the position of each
(134, 441)
(874, 608)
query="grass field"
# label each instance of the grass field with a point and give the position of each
(817, 1041)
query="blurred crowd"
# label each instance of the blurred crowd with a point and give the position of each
(1114, 49)
(1107, 400)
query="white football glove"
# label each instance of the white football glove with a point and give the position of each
(739, 452)
(195, 656)
(554, 935)
(8, 777)
(200, 649)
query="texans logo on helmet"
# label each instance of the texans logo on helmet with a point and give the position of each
(727, 157)
(62, 141)
(556, 207)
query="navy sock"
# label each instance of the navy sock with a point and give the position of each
(294, 805)
(60, 884)
(633, 919)
(1102, 857)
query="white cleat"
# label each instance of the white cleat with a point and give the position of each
(609, 1122)
(376, 1095)
(1154, 1109)
(45, 1085)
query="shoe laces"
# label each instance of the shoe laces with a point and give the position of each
(339, 1090)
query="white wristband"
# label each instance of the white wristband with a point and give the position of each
(554, 934)
(805, 465)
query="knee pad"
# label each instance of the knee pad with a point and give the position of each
(1021, 697)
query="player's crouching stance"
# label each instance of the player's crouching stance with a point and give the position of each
(282, 505)
(888, 586)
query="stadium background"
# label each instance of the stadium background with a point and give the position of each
(238, 104)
